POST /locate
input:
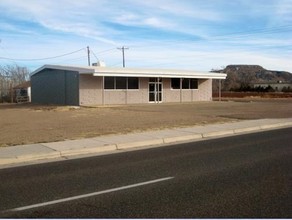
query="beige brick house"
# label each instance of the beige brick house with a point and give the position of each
(96, 85)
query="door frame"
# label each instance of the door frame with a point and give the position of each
(156, 82)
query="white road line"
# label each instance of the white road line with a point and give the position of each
(88, 195)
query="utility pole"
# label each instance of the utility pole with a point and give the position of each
(88, 55)
(123, 51)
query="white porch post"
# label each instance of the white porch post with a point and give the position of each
(219, 90)
(180, 87)
(102, 90)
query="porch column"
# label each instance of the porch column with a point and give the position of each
(180, 88)
(157, 91)
(126, 93)
(219, 90)
(102, 86)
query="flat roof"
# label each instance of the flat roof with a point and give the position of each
(135, 72)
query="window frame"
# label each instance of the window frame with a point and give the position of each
(116, 85)
(190, 83)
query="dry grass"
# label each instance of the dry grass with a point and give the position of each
(27, 123)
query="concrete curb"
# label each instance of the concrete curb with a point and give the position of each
(29, 158)
(55, 150)
(92, 150)
(217, 133)
(139, 144)
(182, 138)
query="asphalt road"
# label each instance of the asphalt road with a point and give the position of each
(239, 176)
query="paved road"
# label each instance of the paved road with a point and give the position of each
(239, 176)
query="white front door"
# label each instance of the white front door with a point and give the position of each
(155, 90)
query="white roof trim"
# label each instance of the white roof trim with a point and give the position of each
(136, 72)
(81, 70)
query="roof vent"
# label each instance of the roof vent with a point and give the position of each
(99, 63)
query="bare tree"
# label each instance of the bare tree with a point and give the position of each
(10, 76)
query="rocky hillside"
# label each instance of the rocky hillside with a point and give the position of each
(244, 75)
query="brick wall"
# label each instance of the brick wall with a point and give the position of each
(203, 93)
(91, 92)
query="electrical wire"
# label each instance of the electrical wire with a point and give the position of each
(47, 58)
(235, 35)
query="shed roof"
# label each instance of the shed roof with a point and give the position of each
(135, 72)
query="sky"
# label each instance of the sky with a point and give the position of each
(168, 34)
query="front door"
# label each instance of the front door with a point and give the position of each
(155, 90)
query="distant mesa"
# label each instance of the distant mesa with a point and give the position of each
(239, 76)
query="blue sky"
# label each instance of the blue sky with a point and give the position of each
(176, 34)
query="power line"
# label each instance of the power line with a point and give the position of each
(105, 51)
(234, 35)
(94, 54)
(46, 58)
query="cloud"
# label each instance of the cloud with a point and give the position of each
(196, 34)
(284, 12)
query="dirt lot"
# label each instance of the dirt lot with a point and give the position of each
(27, 123)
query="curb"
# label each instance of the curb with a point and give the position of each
(139, 144)
(29, 158)
(153, 141)
(171, 140)
(182, 138)
(92, 150)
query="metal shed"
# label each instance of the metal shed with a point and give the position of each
(55, 86)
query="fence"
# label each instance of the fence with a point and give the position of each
(253, 94)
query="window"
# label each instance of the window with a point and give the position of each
(186, 83)
(133, 83)
(109, 82)
(121, 82)
(194, 83)
(175, 83)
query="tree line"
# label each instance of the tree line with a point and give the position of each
(11, 76)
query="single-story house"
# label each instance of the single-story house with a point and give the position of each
(99, 85)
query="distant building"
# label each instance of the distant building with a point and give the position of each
(100, 85)
(277, 86)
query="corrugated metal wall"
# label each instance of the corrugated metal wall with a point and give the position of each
(51, 86)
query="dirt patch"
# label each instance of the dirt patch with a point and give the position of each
(26, 123)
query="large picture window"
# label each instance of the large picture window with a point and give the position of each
(186, 83)
(121, 82)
